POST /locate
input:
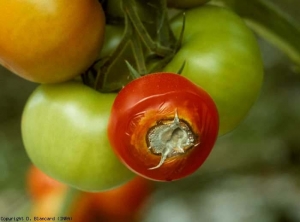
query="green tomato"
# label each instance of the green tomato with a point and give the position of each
(64, 130)
(222, 56)
(185, 3)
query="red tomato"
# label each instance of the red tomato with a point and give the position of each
(162, 126)
(40, 184)
(123, 203)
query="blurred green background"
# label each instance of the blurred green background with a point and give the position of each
(252, 174)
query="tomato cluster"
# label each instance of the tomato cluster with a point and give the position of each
(95, 120)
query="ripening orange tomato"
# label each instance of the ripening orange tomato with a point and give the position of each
(49, 41)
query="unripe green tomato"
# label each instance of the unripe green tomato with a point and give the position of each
(223, 57)
(64, 130)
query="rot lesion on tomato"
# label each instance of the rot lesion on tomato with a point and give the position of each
(170, 138)
(165, 135)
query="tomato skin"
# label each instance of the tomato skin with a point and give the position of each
(144, 102)
(64, 131)
(223, 57)
(49, 41)
(186, 3)
(39, 184)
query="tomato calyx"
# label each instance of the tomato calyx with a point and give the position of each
(151, 50)
(170, 139)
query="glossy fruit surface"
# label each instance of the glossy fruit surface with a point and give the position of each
(162, 126)
(50, 41)
(222, 56)
(64, 130)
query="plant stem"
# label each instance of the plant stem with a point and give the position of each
(103, 71)
(143, 33)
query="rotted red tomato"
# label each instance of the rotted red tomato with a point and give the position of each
(162, 126)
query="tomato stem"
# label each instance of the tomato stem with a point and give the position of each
(134, 73)
(143, 33)
(137, 49)
(101, 79)
(151, 53)
(182, 67)
(165, 35)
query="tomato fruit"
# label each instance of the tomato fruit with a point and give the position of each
(64, 131)
(50, 41)
(40, 184)
(124, 202)
(186, 3)
(222, 56)
(162, 126)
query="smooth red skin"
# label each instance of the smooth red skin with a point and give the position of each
(158, 96)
